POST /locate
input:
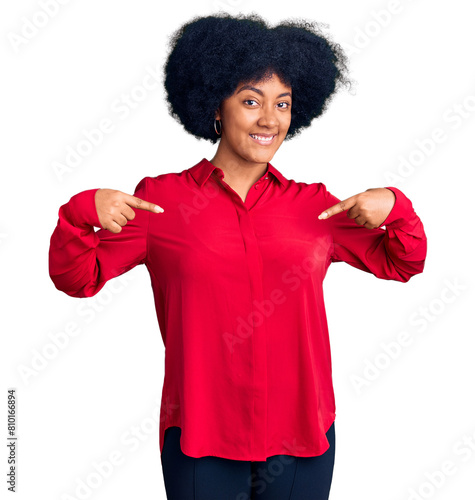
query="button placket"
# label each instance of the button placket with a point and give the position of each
(259, 335)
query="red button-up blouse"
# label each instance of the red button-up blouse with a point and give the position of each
(239, 301)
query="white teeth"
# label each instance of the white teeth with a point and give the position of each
(260, 138)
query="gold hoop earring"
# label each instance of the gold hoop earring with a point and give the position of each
(220, 127)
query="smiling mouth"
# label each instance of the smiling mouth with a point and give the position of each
(263, 139)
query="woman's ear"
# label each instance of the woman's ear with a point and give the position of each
(217, 114)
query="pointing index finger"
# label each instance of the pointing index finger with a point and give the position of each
(341, 206)
(136, 202)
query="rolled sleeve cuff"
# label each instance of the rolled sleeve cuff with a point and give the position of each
(401, 210)
(81, 209)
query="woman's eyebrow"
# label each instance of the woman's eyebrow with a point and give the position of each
(248, 87)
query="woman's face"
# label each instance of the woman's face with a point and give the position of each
(255, 121)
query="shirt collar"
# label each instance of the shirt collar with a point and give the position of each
(203, 169)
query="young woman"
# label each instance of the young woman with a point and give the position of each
(237, 254)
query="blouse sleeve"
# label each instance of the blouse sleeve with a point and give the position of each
(395, 253)
(82, 260)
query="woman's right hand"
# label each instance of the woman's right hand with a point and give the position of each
(114, 208)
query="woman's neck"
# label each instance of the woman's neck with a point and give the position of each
(239, 173)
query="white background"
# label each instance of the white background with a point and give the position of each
(413, 64)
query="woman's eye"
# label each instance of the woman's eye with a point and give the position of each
(282, 105)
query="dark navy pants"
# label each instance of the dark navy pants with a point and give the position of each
(280, 477)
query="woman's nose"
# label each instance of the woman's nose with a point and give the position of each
(268, 117)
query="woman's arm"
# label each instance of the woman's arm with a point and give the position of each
(82, 260)
(396, 253)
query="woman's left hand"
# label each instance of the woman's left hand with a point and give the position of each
(369, 209)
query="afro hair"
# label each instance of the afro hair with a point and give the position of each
(209, 56)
